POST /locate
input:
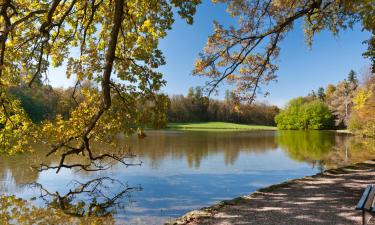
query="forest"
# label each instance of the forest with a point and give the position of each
(348, 104)
(46, 103)
(197, 107)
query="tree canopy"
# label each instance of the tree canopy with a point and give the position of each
(301, 114)
(245, 54)
(111, 43)
(362, 120)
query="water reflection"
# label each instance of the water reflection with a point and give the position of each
(15, 210)
(325, 149)
(181, 171)
(92, 202)
(91, 198)
(196, 146)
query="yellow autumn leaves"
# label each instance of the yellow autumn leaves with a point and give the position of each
(37, 35)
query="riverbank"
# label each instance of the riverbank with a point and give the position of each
(216, 126)
(324, 198)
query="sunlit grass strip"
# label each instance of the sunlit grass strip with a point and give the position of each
(216, 126)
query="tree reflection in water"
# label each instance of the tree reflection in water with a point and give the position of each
(91, 202)
(160, 151)
(325, 149)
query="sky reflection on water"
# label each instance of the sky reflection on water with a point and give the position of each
(183, 171)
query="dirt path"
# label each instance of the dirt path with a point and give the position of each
(327, 198)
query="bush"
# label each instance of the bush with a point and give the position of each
(301, 114)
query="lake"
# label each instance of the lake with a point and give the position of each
(180, 171)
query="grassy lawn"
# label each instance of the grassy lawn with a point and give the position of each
(216, 126)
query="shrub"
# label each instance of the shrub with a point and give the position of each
(301, 114)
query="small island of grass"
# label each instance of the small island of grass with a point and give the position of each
(217, 126)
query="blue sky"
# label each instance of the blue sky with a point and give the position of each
(300, 69)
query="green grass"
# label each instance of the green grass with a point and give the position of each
(216, 126)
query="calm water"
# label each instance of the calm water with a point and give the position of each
(182, 170)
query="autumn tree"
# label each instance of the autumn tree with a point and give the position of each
(244, 55)
(330, 89)
(341, 100)
(362, 120)
(112, 43)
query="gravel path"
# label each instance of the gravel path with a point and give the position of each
(327, 198)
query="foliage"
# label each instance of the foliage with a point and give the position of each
(196, 107)
(302, 114)
(244, 55)
(363, 119)
(330, 89)
(339, 98)
(14, 125)
(112, 44)
(321, 94)
(40, 103)
(19, 211)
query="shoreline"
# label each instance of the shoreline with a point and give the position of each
(217, 126)
(305, 196)
(229, 126)
(344, 132)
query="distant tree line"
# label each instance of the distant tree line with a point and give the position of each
(44, 102)
(344, 105)
(197, 107)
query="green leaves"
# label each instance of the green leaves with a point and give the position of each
(16, 130)
(302, 115)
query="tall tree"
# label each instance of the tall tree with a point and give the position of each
(113, 43)
(341, 101)
(321, 94)
(352, 77)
